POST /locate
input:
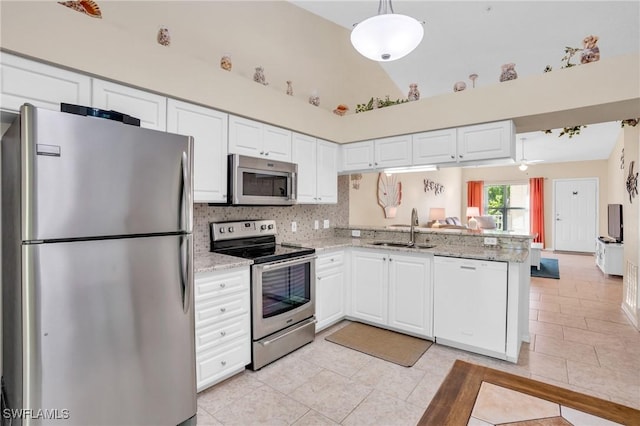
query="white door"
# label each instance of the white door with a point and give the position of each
(276, 143)
(304, 155)
(410, 293)
(392, 152)
(575, 214)
(245, 137)
(327, 179)
(369, 286)
(357, 156)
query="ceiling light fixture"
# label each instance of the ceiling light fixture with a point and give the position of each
(387, 36)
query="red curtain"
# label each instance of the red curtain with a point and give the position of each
(536, 208)
(474, 194)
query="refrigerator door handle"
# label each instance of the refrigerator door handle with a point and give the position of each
(186, 278)
(186, 206)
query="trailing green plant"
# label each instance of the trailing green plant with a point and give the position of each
(633, 122)
(379, 103)
(571, 131)
(569, 52)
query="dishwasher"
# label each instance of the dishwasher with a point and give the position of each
(470, 304)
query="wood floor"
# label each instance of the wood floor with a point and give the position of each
(454, 402)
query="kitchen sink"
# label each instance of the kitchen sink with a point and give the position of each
(399, 244)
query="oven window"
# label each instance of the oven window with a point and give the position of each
(264, 185)
(285, 289)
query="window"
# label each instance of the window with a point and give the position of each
(509, 205)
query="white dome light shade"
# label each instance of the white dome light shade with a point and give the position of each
(387, 37)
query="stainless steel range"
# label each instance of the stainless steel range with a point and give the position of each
(282, 287)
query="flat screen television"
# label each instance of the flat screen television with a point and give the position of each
(614, 215)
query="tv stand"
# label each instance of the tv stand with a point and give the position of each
(609, 256)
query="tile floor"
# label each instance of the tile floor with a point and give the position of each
(580, 340)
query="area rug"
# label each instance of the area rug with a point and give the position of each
(548, 269)
(461, 400)
(384, 344)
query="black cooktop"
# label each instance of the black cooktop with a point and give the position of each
(260, 250)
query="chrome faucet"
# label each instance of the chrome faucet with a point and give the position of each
(414, 223)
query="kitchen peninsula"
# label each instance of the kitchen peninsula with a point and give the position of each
(450, 287)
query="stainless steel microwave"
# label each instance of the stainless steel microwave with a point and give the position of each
(258, 181)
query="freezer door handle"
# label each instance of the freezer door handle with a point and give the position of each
(186, 206)
(186, 278)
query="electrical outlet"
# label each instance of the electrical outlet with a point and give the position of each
(316, 224)
(294, 227)
(490, 241)
(325, 224)
(355, 232)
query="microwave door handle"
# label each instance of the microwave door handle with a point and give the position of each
(294, 186)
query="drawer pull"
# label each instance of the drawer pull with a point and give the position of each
(223, 333)
(223, 309)
(223, 363)
(223, 285)
(471, 268)
(332, 259)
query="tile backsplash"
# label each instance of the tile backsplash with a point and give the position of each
(303, 214)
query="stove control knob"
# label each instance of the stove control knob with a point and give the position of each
(270, 226)
(221, 230)
(231, 229)
(263, 227)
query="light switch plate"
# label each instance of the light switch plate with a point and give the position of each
(490, 241)
(316, 224)
(294, 226)
(325, 225)
(355, 232)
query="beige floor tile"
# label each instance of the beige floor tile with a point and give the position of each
(227, 392)
(544, 291)
(616, 316)
(620, 360)
(205, 419)
(581, 418)
(592, 337)
(545, 329)
(560, 300)
(545, 306)
(313, 418)
(534, 296)
(533, 314)
(477, 422)
(544, 365)
(391, 379)
(262, 406)
(427, 388)
(604, 381)
(288, 373)
(381, 409)
(564, 349)
(562, 319)
(496, 405)
(334, 357)
(332, 394)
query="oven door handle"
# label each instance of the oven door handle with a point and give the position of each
(284, 263)
(281, 336)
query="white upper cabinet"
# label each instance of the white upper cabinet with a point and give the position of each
(387, 152)
(435, 147)
(41, 85)
(209, 130)
(150, 108)
(357, 156)
(327, 174)
(317, 169)
(486, 141)
(304, 154)
(392, 152)
(255, 139)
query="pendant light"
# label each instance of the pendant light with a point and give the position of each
(387, 36)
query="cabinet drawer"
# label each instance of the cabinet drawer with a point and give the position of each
(330, 260)
(216, 284)
(220, 333)
(214, 365)
(222, 308)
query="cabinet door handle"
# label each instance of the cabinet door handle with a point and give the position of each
(332, 259)
(369, 164)
(453, 156)
(319, 278)
(384, 258)
(223, 310)
(222, 285)
(376, 164)
(460, 155)
(471, 268)
(266, 153)
(261, 152)
(319, 198)
(223, 363)
(390, 260)
(223, 333)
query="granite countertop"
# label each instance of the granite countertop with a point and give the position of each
(450, 231)
(208, 261)
(470, 252)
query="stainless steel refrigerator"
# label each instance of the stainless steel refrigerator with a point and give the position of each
(97, 275)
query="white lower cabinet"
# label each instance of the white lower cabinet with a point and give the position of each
(610, 257)
(392, 289)
(330, 288)
(470, 304)
(222, 325)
